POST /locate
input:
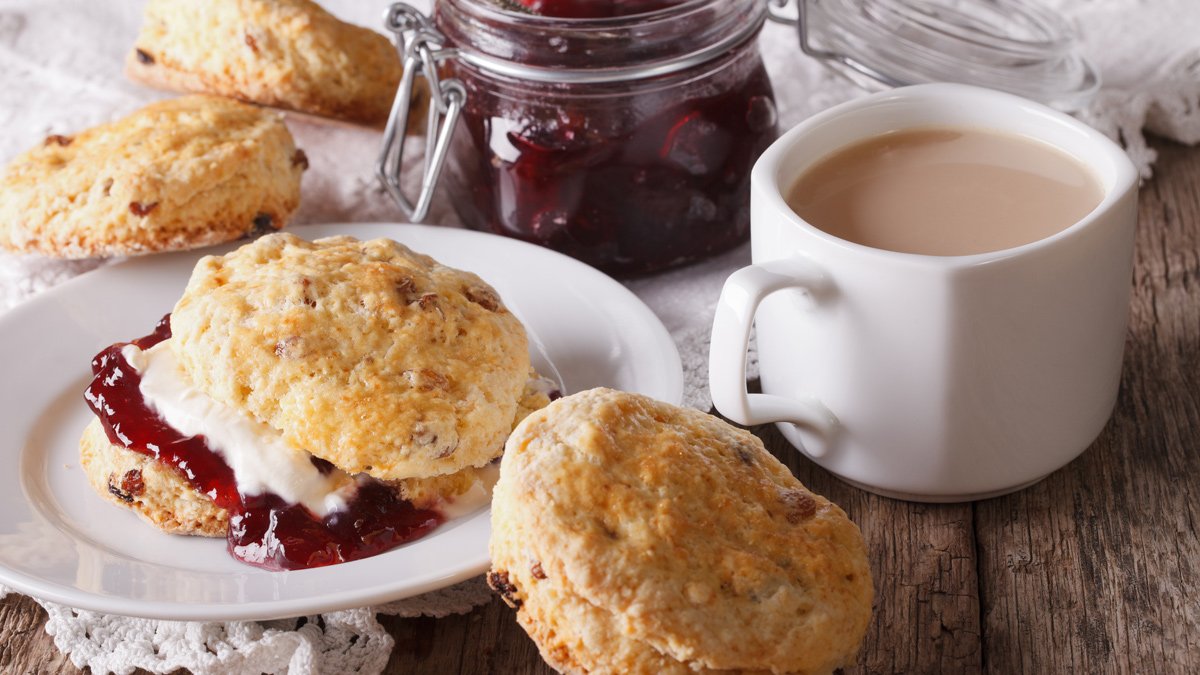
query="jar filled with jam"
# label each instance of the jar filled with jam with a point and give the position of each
(620, 132)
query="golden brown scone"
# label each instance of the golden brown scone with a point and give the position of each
(155, 491)
(285, 53)
(366, 354)
(177, 174)
(639, 537)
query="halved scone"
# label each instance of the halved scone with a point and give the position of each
(328, 400)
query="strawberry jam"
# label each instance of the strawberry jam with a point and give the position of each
(641, 171)
(264, 530)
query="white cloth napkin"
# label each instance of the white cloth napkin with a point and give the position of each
(60, 71)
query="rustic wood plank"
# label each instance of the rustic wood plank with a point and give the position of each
(1095, 569)
(25, 648)
(922, 557)
(488, 640)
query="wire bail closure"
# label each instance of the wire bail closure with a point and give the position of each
(800, 21)
(1011, 45)
(422, 49)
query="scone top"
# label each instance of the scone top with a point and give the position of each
(366, 354)
(640, 537)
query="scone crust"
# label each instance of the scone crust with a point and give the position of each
(285, 53)
(366, 354)
(155, 491)
(578, 638)
(670, 528)
(177, 174)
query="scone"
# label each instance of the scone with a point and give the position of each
(368, 355)
(634, 536)
(326, 400)
(177, 174)
(289, 54)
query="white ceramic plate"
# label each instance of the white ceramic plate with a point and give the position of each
(61, 542)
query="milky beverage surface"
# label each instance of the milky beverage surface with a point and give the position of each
(945, 191)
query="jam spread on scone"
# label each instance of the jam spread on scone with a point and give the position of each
(264, 529)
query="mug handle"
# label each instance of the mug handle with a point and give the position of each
(739, 301)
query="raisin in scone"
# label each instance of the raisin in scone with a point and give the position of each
(634, 536)
(177, 174)
(155, 491)
(285, 53)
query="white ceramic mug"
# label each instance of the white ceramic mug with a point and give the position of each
(932, 378)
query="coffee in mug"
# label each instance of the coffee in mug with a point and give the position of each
(945, 191)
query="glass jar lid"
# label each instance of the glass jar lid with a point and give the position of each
(1011, 45)
(491, 37)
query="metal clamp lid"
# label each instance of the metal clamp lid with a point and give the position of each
(1011, 45)
(421, 48)
(776, 13)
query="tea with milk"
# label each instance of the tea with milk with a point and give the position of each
(945, 191)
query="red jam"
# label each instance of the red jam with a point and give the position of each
(627, 196)
(592, 9)
(629, 176)
(264, 530)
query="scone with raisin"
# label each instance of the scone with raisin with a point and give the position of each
(328, 399)
(156, 491)
(177, 174)
(289, 54)
(634, 536)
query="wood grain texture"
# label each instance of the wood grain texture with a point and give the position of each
(922, 556)
(25, 648)
(1094, 570)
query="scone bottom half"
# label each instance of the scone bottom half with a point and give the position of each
(141, 453)
(634, 536)
(177, 174)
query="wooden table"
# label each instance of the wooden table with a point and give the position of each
(1093, 570)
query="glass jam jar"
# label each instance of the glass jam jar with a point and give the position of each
(625, 141)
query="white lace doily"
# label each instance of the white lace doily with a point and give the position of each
(350, 641)
(60, 71)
